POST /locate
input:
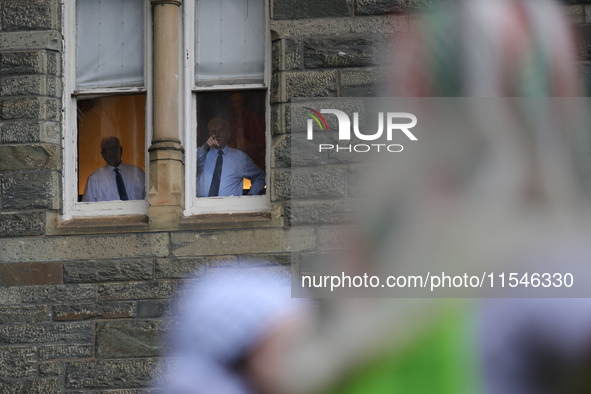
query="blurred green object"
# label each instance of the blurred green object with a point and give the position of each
(441, 360)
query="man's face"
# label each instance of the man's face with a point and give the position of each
(111, 152)
(237, 102)
(221, 134)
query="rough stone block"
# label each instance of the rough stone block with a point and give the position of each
(30, 62)
(575, 13)
(136, 338)
(587, 13)
(51, 368)
(287, 213)
(368, 82)
(108, 270)
(277, 55)
(287, 54)
(583, 49)
(46, 294)
(136, 290)
(53, 63)
(348, 51)
(373, 7)
(185, 286)
(31, 386)
(362, 91)
(234, 242)
(180, 268)
(322, 212)
(280, 119)
(355, 182)
(221, 261)
(290, 150)
(101, 310)
(17, 362)
(281, 187)
(29, 15)
(24, 314)
(315, 263)
(250, 260)
(84, 247)
(319, 182)
(362, 76)
(112, 374)
(17, 224)
(32, 85)
(31, 108)
(23, 132)
(387, 24)
(65, 352)
(46, 333)
(30, 190)
(297, 9)
(303, 239)
(281, 152)
(277, 80)
(152, 309)
(305, 84)
(122, 391)
(336, 237)
(21, 274)
(48, 39)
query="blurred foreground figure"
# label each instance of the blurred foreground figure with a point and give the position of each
(232, 329)
(489, 48)
(537, 346)
(505, 193)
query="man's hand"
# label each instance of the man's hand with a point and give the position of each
(211, 141)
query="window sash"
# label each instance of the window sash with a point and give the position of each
(229, 41)
(71, 208)
(194, 205)
(109, 43)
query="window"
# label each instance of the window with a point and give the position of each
(226, 82)
(106, 79)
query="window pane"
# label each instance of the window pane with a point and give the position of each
(122, 117)
(242, 115)
(229, 40)
(110, 43)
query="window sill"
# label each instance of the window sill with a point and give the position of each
(102, 225)
(140, 223)
(228, 220)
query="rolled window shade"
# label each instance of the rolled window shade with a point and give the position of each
(229, 41)
(110, 43)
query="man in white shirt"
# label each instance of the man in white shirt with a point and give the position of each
(116, 180)
(221, 169)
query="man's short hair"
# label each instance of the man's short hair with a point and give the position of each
(104, 140)
(218, 122)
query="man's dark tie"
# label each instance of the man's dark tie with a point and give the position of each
(120, 185)
(214, 189)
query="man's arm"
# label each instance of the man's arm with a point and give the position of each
(255, 175)
(89, 190)
(202, 152)
(201, 155)
(139, 184)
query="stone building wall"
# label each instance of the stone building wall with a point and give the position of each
(84, 313)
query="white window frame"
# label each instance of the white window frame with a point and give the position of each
(71, 207)
(207, 205)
